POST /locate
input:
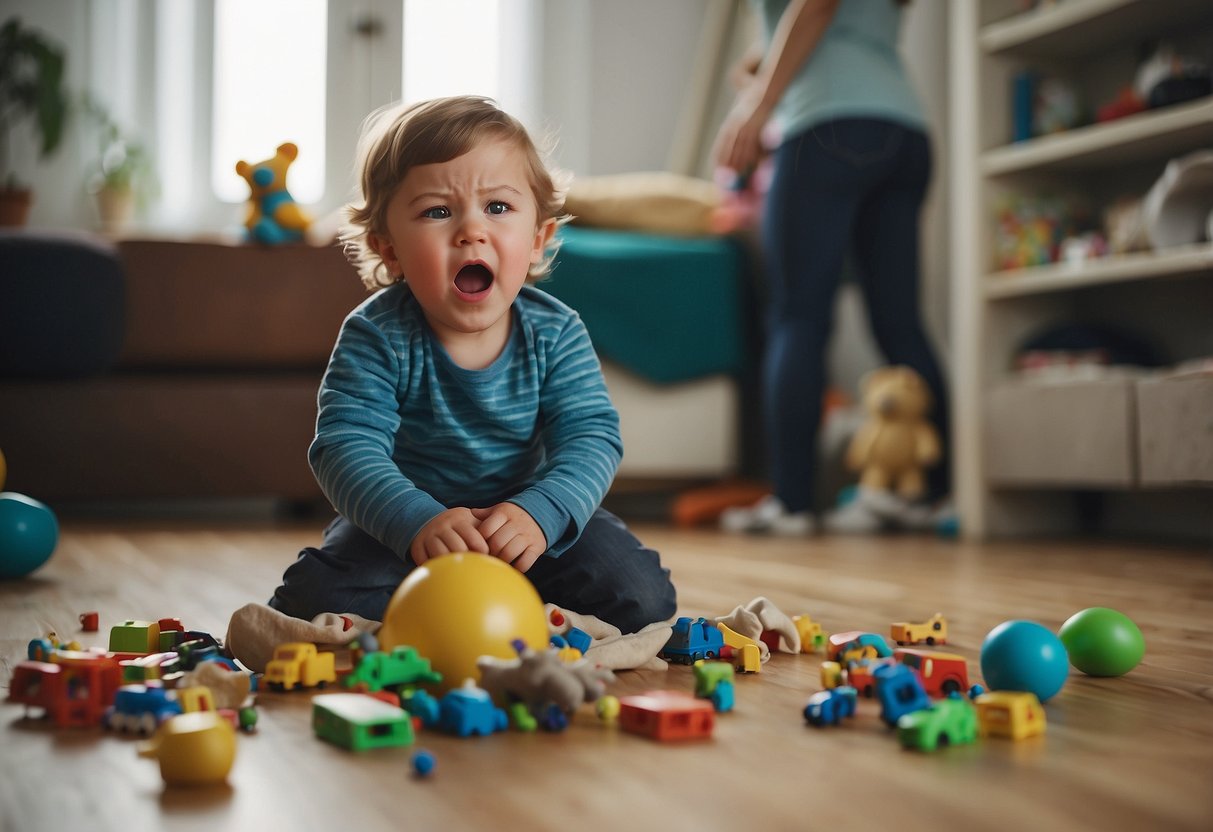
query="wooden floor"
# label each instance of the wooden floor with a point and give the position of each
(1120, 754)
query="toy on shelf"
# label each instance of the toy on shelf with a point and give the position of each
(1102, 642)
(831, 706)
(667, 715)
(193, 749)
(29, 532)
(300, 664)
(692, 639)
(1007, 713)
(951, 721)
(273, 215)
(458, 607)
(714, 682)
(359, 722)
(1024, 656)
(933, 631)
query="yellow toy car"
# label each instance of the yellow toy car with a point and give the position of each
(299, 664)
(933, 631)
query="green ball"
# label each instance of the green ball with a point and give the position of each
(1102, 642)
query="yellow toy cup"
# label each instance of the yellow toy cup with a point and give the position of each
(193, 749)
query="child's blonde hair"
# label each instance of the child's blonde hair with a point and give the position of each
(397, 138)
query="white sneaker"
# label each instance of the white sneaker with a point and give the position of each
(767, 516)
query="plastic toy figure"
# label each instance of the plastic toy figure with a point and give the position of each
(402, 666)
(469, 711)
(941, 673)
(856, 639)
(299, 664)
(359, 722)
(691, 640)
(899, 691)
(667, 715)
(140, 708)
(1008, 713)
(830, 707)
(74, 692)
(951, 721)
(933, 631)
(714, 682)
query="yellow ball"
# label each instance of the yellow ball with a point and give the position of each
(459, 607)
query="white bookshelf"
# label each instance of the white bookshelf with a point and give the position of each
(1165, 294)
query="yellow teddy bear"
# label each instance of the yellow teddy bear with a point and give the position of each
(273, 215)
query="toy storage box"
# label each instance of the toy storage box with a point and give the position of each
(1175, 430)
(1064, 434)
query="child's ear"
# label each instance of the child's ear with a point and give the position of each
(543, 236)
(386, 251)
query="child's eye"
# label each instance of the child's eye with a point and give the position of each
(439, 212)
(498, 207)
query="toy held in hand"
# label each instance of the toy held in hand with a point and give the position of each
(273, 215)
(896, 443)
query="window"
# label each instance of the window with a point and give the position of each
(270, 77)
(471, 47)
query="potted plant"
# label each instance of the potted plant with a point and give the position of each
(125, 176)
(31, 87)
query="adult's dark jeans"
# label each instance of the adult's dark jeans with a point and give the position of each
(851, 186)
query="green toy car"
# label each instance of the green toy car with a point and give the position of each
(951, 721)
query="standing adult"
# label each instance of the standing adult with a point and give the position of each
(851, 171)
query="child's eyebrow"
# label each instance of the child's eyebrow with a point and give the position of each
(443, 195)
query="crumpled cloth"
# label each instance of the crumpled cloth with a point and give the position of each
(256, 629)
(759, 615)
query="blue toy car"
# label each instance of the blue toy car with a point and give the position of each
(899, 691)
(830, 707)
(469, 711)
(692, 640)
(140, 708)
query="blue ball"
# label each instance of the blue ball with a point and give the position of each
(1024, 656)
(28, 534)
(423, 763)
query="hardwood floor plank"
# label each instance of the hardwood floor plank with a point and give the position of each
(1127, 753)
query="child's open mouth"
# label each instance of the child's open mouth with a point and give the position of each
(473, 280)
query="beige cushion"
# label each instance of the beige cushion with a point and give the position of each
(662, 203)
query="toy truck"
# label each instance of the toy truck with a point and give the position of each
(941, 673)
(73, 692)
(692, 639)
(403, 666)
(299, 664)
(830, 707)
(358, 722)
(933, 631)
